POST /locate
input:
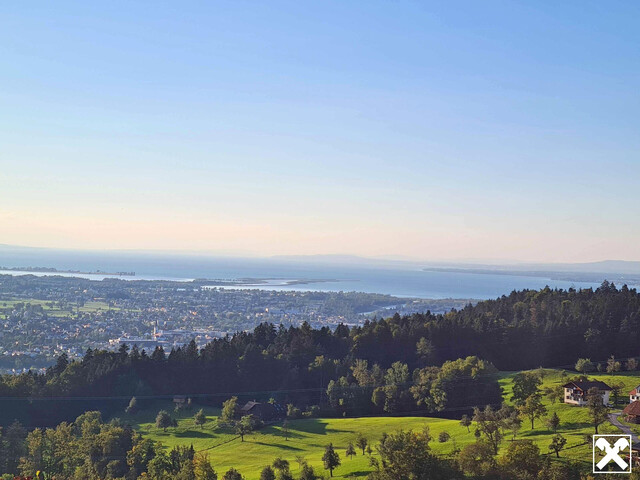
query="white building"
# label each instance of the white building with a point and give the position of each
(575, 393)
(634, 394)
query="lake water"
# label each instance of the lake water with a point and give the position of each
(405, 280)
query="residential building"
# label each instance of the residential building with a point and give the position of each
(575, 393)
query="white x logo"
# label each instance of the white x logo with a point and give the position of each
(612, 452)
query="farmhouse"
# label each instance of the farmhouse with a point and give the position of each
(575, 393)
(632, 412)
(262, 411)
(634, 394)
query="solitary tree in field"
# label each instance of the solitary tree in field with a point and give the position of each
(285, 429)
(554, 422)
(163, 420)
(229, 410)
(362, 442)
(533, 408)
(557, 443)
(244, 426)
(200, 418)
(490, 423)
(465, 421)
(331, 459)
(513, 423)
(351, 451)
(444, 437)
(525, 384)
(598, 412)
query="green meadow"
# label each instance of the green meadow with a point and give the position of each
(53, 309)
(308, 437)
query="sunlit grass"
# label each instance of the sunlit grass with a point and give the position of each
(308, 437)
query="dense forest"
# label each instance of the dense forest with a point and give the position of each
(398, 364)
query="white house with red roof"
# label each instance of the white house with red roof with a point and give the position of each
(634, 394)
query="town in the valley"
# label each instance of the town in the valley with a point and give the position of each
(71, 314)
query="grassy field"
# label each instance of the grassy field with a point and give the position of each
(52, 309)
(308, 437)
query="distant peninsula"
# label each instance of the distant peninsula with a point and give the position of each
(55, 270)
(630, 279)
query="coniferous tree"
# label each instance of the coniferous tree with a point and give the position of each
(331, 459)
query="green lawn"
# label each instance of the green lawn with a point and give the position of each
(52, 309)
(309, 436)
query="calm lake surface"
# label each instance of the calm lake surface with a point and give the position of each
(407, 280)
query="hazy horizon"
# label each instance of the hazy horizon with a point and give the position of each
(338, 258)
(494, 131)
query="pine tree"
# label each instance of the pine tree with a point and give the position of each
(331, 459)
(554, 422)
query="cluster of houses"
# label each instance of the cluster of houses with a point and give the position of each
(575, 393)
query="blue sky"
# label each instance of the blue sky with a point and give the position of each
(448, 130)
